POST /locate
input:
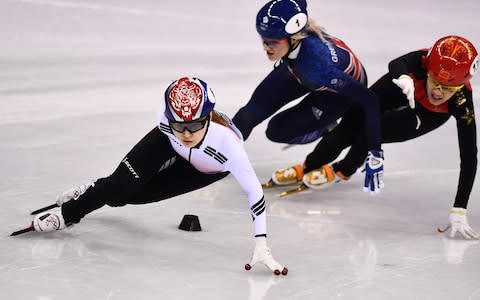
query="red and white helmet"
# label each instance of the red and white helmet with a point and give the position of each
(188, 99)
(452, 60)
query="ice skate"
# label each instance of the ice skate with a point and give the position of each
(71, 194)
(75, 193)
(285, 176)
(269, 184)
(44, 222)
(49, 221)
(322, 177)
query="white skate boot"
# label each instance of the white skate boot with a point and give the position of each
(49, 221)
(323, 177)
(71, 194)
(288, 176)
(74, 194)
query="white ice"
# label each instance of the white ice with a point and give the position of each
(80, 83)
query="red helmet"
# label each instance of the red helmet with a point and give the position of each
(452, 60)
(188, 99)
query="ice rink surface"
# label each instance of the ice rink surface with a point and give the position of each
(80, 84)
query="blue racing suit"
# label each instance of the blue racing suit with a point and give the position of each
(331, 78)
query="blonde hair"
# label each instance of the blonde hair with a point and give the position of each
(310, 29)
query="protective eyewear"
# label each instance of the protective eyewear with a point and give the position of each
(192, 127)
(441, 87)
(271, 42)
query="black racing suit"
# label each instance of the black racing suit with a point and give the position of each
(155, 183)
(401, 123)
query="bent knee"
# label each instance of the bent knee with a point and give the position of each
(275, 135)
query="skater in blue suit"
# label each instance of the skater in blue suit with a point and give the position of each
(314, 64)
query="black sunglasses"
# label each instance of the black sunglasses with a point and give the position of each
(192, 127)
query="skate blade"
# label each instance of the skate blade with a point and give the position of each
(40, 210)
(299, 189)
(25, 230)
(270, 184)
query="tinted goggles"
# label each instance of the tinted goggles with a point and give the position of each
(272, 43)
(441, 87)
(192, 127)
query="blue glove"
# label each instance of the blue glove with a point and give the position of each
(373, 172)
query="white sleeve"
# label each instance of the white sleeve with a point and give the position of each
(241, 168)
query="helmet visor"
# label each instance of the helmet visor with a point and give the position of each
(192, 127)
